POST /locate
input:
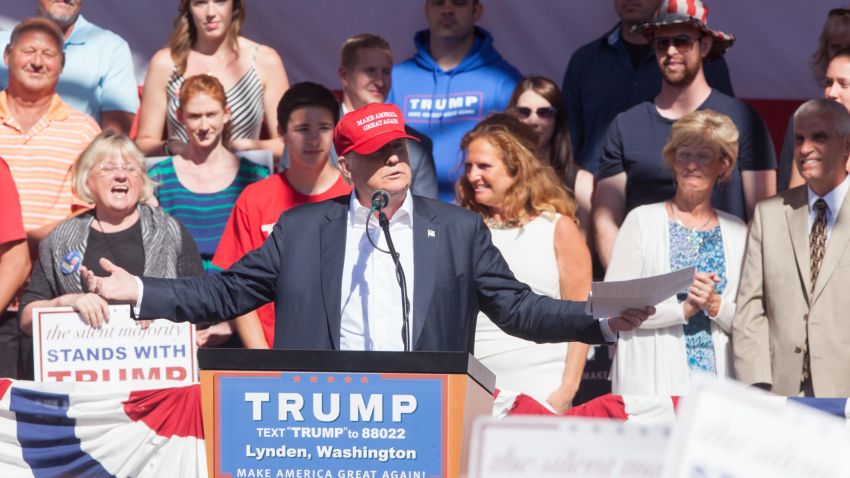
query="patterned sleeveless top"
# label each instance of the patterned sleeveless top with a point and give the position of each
(244, 98)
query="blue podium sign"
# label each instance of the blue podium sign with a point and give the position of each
(330, 425)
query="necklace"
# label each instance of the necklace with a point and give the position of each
(693, 238)
(105, 240)
(499, 224)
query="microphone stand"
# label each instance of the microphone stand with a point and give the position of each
(402, 281)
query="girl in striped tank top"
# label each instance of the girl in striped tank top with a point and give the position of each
(200, 186)
(206, 40)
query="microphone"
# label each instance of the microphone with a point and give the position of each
(380, 199)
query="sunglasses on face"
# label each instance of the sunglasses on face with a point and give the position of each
(545, 112)
(682, 43)
(837, 12)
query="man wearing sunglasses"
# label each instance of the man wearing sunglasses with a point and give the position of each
(613, 73)
(631, 172)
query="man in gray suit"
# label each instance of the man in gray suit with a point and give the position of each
(365, 71)
(791, 331)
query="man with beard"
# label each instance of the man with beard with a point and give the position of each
(631, 172)
(98, 77)
(615, 72)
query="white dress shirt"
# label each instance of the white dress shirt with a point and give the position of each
(833, 199)
(371, 298)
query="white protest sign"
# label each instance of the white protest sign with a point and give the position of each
(566, 447)
(67, 350)
(728, 430)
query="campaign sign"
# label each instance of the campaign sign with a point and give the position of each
(577, 447)
(329, 425)
(65, 349)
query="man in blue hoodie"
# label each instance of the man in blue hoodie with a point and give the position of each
(455, 79)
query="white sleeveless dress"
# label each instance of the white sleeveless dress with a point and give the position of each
(521, 365)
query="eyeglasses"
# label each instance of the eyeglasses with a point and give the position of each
(111, 168)
(837, 12)
(682, 43)
(544, 112)
(685, 157)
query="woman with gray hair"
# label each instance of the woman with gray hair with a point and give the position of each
(689, 332)
(121, 228)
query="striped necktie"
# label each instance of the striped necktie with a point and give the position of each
(817, 246)
(817, 240)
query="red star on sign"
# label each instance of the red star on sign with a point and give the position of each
(314, 379)
(296, 379)
(347, 379)
(364, 379)
(331, 380)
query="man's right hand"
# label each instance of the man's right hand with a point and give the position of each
(630, 319)
(119, 286)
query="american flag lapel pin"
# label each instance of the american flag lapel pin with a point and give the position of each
(432, 233)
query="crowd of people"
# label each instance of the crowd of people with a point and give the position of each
(642, 163)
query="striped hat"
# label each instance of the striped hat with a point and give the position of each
(690, 12)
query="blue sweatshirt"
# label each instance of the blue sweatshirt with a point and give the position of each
(445, 105)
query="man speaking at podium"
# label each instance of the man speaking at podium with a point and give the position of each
(338, 284)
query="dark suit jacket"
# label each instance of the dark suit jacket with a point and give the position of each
(458, 271)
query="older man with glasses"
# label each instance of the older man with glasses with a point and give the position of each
(631, 172)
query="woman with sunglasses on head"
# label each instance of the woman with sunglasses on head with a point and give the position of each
(834, 38)
(200, 187)
(206, 40)
(689, 332)
(531, 216)
(121, 228)
(536, 102)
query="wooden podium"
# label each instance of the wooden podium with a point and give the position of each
(283, 413)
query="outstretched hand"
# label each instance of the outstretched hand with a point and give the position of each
(630, 319)
(119, 286)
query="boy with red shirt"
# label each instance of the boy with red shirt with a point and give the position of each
(306, 116)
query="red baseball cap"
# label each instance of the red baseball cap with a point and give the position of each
(369, 128)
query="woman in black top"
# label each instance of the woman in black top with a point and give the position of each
(121, 228)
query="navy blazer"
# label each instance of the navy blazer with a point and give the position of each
(458, 271)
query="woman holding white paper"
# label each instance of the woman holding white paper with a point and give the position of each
(689, 332)
(121, 228)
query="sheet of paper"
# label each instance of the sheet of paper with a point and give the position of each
(608, 299)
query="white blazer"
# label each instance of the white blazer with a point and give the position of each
(652, 359)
